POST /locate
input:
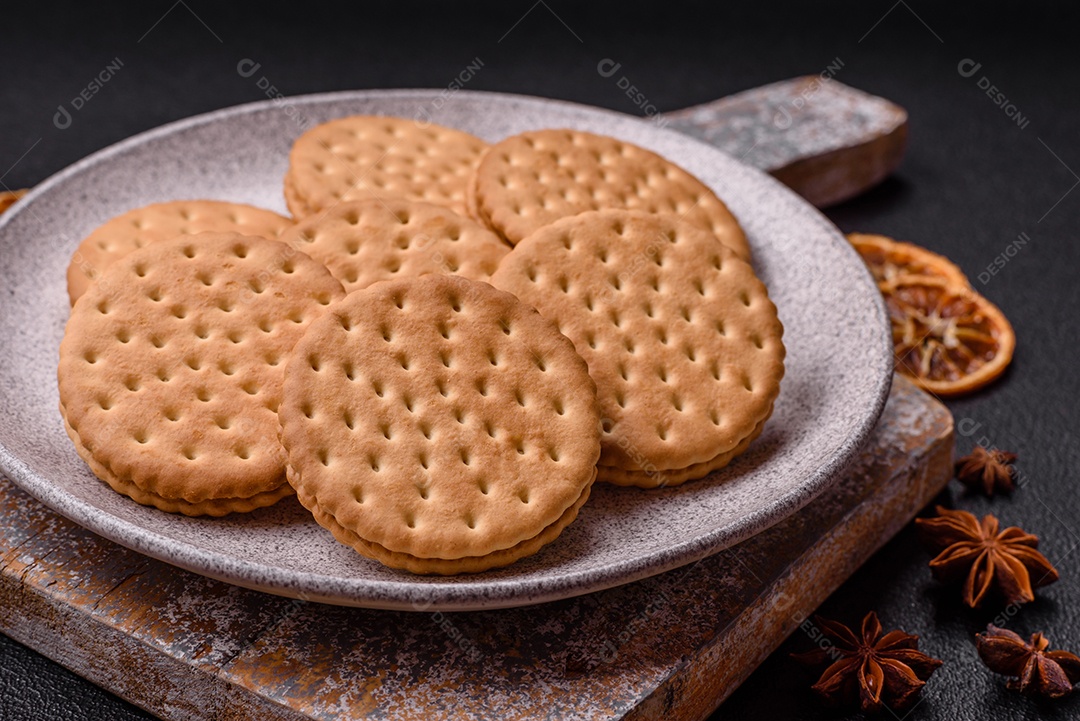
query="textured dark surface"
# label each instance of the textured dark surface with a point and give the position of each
(33, 687)
(973, 180)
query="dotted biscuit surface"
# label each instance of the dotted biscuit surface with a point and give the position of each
(365, 241)
(161, 221)
(679, 334)
(171, 364)
(441, 566)
(439, 418)
(211, 507)
(650, 477)
(530, 180)
(366, 156)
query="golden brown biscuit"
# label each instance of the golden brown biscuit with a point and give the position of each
(211, 507)
(679, 335)
(171, 367)
(648, 476)
(443, 567)
(365, 241)
(367, 156)
(530, 180)
(161, 221)
(444, 424)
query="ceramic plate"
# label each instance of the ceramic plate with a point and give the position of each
(839, 363)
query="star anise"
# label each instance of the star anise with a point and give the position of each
(1038, 672)
(869, 669)
(1006, 561)
(987, 470)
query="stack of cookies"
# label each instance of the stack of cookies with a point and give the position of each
(438, 353)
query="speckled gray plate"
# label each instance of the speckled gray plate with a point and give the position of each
(839, 363)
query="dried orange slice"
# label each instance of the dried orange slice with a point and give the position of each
(8, 198)
(892, 260)
(947, 337)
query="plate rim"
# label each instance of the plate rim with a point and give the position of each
(402, 594)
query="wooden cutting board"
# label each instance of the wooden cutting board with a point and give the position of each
(671, 647)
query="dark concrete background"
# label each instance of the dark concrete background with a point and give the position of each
(972, 182)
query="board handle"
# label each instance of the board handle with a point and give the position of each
(825, 140)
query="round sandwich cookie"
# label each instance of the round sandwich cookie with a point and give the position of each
(678, 333)
(369, 156)
(365, 241)
(172, 363)
(530, 180)
(161, 221)
(438, 425)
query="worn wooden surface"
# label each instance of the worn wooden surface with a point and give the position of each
(670, 647)
(825, 140)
